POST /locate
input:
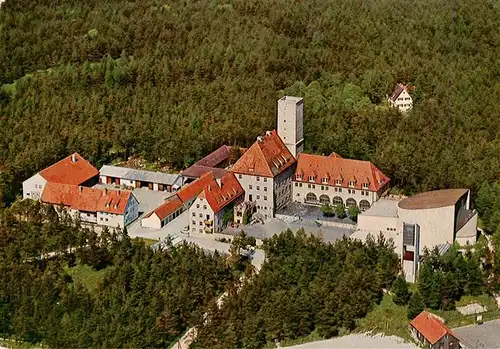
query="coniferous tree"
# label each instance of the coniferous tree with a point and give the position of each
(416, 305)
(401, 291)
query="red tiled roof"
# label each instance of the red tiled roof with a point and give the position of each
(220, 196)
(68, 172)
(337, 168)
(85, 198)
(209, 163)
(430, 327)
(196, 171)
(113, 201)
(216, 157)
(170, 206)
(397, 91)
(193, 189)
(267, 157)
(185, 194)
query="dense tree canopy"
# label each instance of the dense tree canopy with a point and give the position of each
(145, 298)
(304, 285)
(170, 81)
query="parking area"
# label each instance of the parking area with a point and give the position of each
(485, 336)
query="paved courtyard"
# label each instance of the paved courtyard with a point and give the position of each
(309, 212)
(485, 336)
(275, 226)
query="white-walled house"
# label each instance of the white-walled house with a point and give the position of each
(218, 196)
(113, 208)
(333, 180)
(176, 204)
(265, 171)
(401, 98)
(73, 169)
(132, 178)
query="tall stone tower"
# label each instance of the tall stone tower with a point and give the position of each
(290, 123)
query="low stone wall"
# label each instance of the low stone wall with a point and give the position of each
(291, 219)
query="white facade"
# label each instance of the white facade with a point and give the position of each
(110, 219)
(153, 221)
(120, 220)
(436, 225)
(290, 123)
(439, 222)
(33, 187)
(259, 190)
(403, 102)
(202, 218)
(328, 194)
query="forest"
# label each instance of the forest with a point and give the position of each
(116, 78)
(304, 285)
(144, 299)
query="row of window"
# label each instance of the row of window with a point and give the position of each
(325, 187)
(404, 99)
(258, 187)
(204, 206)
(405, 105)
(391, 229)
(351, 191)
(258, 178)
(324, 180)
(201, 215)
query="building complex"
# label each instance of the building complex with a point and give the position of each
(426, 220)
(272, 173)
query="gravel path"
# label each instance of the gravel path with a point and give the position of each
(359, 341)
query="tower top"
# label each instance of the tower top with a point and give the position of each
(290, 123)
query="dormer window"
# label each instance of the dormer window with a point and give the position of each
(324, 180)
(351, 183)
(338, 182)
(299, 177)
(311, 178)
(365, 185)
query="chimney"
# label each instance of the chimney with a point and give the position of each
(73, 157)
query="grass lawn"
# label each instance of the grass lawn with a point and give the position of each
(86, 275)
(148, 242)
(454, 319)
(387, 318)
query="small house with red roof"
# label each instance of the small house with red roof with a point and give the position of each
(400, 98)
(113, 208)
(264, 171)
(333, 180)
(429, 330)
(217, 197)
(73, 170)
(178, 203)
